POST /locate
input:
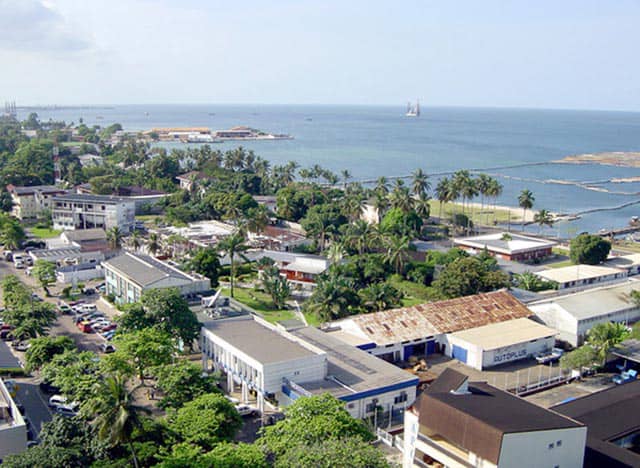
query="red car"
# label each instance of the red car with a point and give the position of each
(85, 327)
(113, 326)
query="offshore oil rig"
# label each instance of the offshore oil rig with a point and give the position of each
(10, 110)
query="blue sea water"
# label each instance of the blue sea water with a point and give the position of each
(375, 141)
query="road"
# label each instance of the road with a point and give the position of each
(35, 402)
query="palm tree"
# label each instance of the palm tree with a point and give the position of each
(543, 218)
(360, 235)
(605, 336)
(396, 254)
(346, 175)
(114, 236)
(135, 240)
(380, 296)
(495, 190)
(154, 243)
(401, 198)
(422, 207)
(232, 246)
(525, 201)
(461, 181)
(420, 183)
(115, 411)
(336, 252)
(483, 183)
(382, 186)
(443, 193)
(12, 235)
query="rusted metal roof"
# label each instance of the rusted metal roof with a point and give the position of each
(434, 318)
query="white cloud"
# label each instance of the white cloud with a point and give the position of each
(35, 26)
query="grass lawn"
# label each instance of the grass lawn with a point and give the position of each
(485, 216)
(629, 246)
(261, 303)
(564, 263)
(413, 293)
(44, 233)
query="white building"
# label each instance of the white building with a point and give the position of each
(83, 211)
(461, 424)
(31, 202)
(13, 429)
(579, 276)
(279, 366)
(67, 256)
(509, 246)
(481, 330)
(575, 314)
(128, 275)
(628, 263)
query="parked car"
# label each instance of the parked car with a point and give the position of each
(87, 308)
(76, 303)
(107, 348)
(625, 377)
(85, 327)
(245, 410)
(8, 255)
(89, 291)
(110, 327)
(109, 335)
(21, 345)
(64, 309)
(19, 264)
(6, 335)
(28, 260)
(36, 298)
(68, 411)
(57, 400)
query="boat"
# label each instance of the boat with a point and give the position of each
(413, 111)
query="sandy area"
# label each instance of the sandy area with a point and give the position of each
(516, 212)
(613, 158)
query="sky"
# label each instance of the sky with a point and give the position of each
(570, 54)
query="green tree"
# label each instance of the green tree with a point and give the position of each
(604, 336)
(310, 421)
(12, 234)
(45, 272)
(75, 373)
(543, 218)
(589, 249)
(143, 349)
(397, 248)
(207, 263)
(321, 220)
(334, 297)
(114, 412)
(42, 457)
(584, 356)
(420, 183)
(167, 310)
(206, 421)
(468, 275)
(75, 437)
(153, 245)
(43, 349)
(345, 452)
(114, 236)
(223, 455)
(233, 246)
(401, 223)
(276, 286)
(525, 201)
(181, 382)
(380, 296)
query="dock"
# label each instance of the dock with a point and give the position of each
(619, 232)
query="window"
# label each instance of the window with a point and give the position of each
(370, 407)
(559, 443)
(351, 405)
(551, 445)
(400, 398)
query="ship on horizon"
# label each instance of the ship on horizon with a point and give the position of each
(413, 111)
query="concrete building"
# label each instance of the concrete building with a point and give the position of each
(482, 330)
(270, 202)
(83, 211)
(611, 416)
(508, 246)
(580, 276)
(13, 429)
(200, 234)
(279, 366)
(627, 263)
(87, 240)
(188, 179)
(30, 202)
(67, 256)
(128, 275)
(575, 314)
(278, 238)
(457, 423)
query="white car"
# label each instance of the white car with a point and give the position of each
(57, 400)
(68, 410)
(245, 410)
(235, 401)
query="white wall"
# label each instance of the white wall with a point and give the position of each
(13, 432)
(555, 317)
(533, 449)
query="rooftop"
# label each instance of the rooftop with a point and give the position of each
(355, 370)
(628, 349)
(87, 198)
(84, 235)
(498, 335)
(609, 415)
(623, 261)
(594, 302)
(463, 313)
(33, 189)
(256, 340)
(144, 270)
(7, 359)
(56, 253)
(576, 273)
(187, 176)
(511, 244)
(475, 415)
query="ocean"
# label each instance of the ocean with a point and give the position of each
(373, 141)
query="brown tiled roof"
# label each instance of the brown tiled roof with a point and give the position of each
(408, 323)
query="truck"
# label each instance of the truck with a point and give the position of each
(625, 377)
(549, 356)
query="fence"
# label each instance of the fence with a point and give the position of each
(532, 379)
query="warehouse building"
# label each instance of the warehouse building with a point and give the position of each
(129, 275)
(508, 246)
(575, 314)
(278, 366)
(581, 276)
(462, 328)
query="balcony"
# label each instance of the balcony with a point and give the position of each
(443, 451)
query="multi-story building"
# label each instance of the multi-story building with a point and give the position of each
(461, 424)
(32, 202)
(129, 275)
(82, 211)
(13, 429)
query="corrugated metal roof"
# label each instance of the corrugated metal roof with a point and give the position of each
(463, 313)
